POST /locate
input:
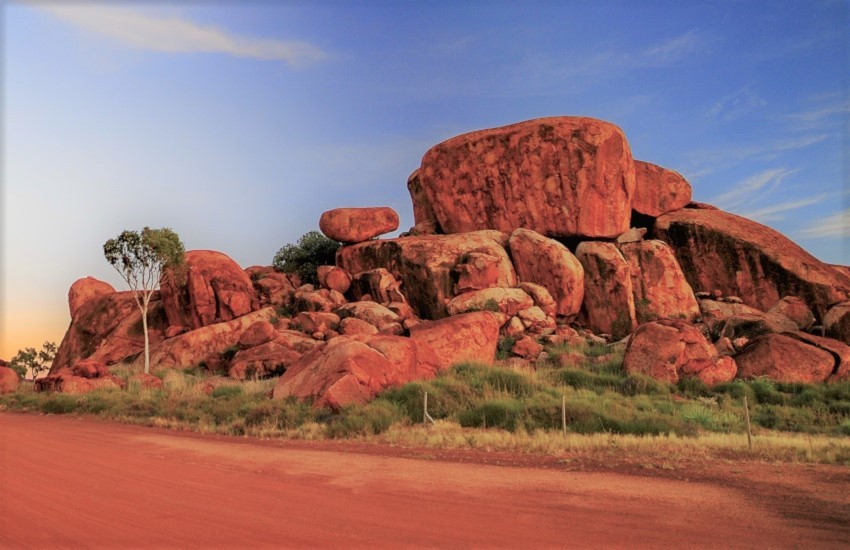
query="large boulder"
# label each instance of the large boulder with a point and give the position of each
(108, 328)
(509, 301)
(785, 359)
(423, 212)
(796, 310)
(355, 225)
(211, 288)
(350, 370)
(197, 346)
(466, 337)
(609, 306)
(715, 313)
(718, 250)
(837, 322)
(269, 358)
(9, 380)
(545, 261)
(659, 286)
(669, 349)
(561, 177)
(840, 353)
(659, 190)
(85, 290)
(426, 265)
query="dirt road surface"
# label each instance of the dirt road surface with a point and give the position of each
(81, 482)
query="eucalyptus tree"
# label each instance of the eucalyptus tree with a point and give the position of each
(141, 258)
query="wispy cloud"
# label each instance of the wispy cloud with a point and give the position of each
(707, 161)
(753, 189)
(736, 104)
(179, 35)
(837, 225)
(826, 114)
(671, 50)
(774, 213)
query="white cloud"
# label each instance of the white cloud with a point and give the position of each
(175, 34)
(774, 212)
(707, 161)
(672, 50)
(837, 225)
(752, 189)
(736, 104)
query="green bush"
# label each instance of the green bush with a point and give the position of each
(303, 258)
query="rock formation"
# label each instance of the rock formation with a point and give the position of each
(355, 225)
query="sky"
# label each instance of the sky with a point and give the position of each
(237, 124)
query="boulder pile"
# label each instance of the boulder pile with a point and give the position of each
(546, 230)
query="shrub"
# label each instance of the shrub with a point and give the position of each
(312, 250)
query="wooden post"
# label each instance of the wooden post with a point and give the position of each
(564, 414)
(749, 431)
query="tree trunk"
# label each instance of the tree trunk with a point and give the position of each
(147, 345)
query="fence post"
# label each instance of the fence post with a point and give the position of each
(749, 431)
(425, 416)
(564, 414)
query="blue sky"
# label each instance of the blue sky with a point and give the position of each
(238, 125)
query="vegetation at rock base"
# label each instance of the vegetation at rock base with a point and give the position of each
(141, 258)
(312, 250)
(505, 407)
(36, 362)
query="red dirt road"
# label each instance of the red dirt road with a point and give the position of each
(72, 482)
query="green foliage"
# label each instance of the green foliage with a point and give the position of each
(141, 257)
(28, 359)
(491, 305)
(312, 250)
(504, 347)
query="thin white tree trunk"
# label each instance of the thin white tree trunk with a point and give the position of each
(147, 345)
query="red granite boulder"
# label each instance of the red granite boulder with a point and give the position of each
(659, 190)
(84, 290)
(355, 225)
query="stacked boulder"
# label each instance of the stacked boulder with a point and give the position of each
(547, 230)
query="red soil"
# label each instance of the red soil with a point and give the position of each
(73, 482)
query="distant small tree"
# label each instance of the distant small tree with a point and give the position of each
(36, 362)
(312, 250)
(141, 259)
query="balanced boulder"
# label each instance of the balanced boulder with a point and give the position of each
(355, 225)
(560, 176)
(84, 290)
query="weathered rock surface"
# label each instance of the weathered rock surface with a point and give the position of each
(840, 353)
(477, 271)
(541, 296)
(211, 288)
(796, 310)
(423, 213)
(718, 250)
(715, 313)
(669, 349)
(466, 337)
(349, 371)
(752, 325)
(659, 190)
(272, 287)
(837, 322)
(509, 301)
(270, 358)
(85, 290)
(560, 176)
(609, 305)
(355, 225)
(659, 286)
(425, 266)
(9, 380)
(377, 285)
(109, 328)
(784, 359)
(195, 346)
(257, 334)
(545, 261)
(75, 385)
(373, 313)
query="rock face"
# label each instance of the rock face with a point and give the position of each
(659, 190)
(784, 359)
(349, 371)
(423, 212)
(355, 225)
(9, 380)
(509, 301)
(109, 328)
(561, 177)
(608, 297)
(85, 290)
(538, 259)
(196, 346)
(659, 286)
(796, 310)
(669, 349)
(717, 250)
(840, 353)
(466, 337)
(213, 289)
(425, 265)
